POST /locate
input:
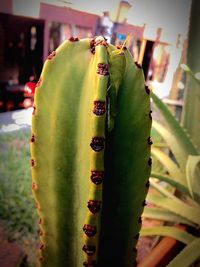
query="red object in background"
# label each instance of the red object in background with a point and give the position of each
(30, 87)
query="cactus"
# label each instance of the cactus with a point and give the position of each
(90, 154)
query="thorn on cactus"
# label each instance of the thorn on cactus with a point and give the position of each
(89, 249)
(34, 186)
(73, 39)
(89, 230)
(135, 250)
(97, 143)
(99, 108)
(92, 46)
(144, 203)
(138, 65)
(41, 259)
(140, 220)
(102, 69)
(147, 184)
(94, 206)
(135, 263)
(51, 55)
(32, 162)
(136, 236)
(34, 109)
(150, 116)
(41, 233)
(39, 82)
(150, 161)
(147, 89)
(89, 264)
(40, 221)
(150, 142)
(41, 246)
(37, 205)
(97, 177)
(32, 138)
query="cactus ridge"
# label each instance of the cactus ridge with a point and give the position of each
(90, 155)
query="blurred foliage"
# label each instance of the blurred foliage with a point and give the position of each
(17, 208)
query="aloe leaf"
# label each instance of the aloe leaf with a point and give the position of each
(181, 136)
(193, 174)
(170, 138)
(170, 166)
(182, 209)
(179, 185)
(165, 192)
(188, 255)
(165, 215)
(171, 231)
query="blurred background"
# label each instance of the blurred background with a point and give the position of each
(30, 30)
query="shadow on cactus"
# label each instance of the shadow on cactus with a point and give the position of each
(90, 155)
(182, 177)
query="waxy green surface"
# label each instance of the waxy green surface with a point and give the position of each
(63, 125)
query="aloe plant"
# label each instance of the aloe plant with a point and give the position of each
(191, 108)
(182, 175)
(90, 154)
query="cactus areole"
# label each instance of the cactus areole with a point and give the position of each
(90, 155)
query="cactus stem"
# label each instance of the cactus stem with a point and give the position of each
(51, 55)
(89, 230)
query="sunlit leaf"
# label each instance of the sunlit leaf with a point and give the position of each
(193, 174)
(178, 185)
(191, 213)
(169, 164)
(173, 125)
(174, 144)
(164, 215)
(171, 231)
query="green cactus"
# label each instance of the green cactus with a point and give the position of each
(90, 155)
